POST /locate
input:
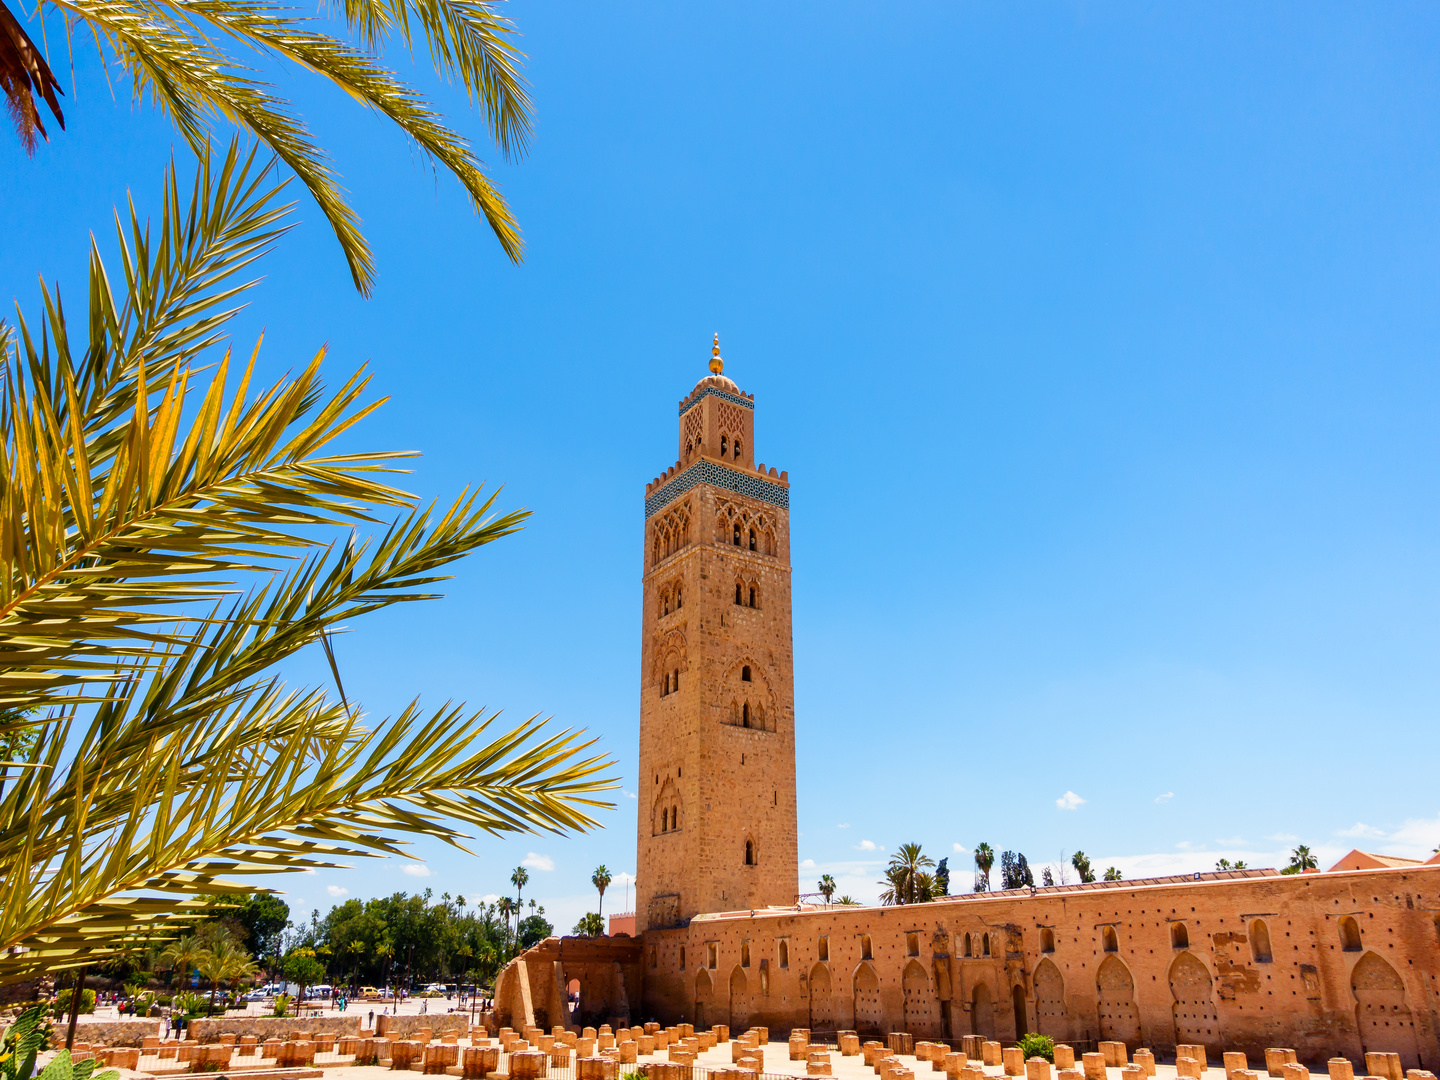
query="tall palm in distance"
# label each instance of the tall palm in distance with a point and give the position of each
(189, 58)
(906, 876)
(1302, 859)
(520, 878)
(601, 880)
(826, 887)
(984, 860)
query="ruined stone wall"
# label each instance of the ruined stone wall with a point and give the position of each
(268, 1027)
(1335, 963)
(532, 989)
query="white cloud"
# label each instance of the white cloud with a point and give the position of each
(1069, 801)
(630, 795)
(1190, 845)
(337, 890)
(1283, 837)
(622, 879)
(843, 825)
(312, 872)
(489, 898)
(537, 862)
(808, 864)
(959, 849)
(1361, 829)
(1416, 839)
(866, 845)
(418, 869)
(1166, 797)
(1233, 841)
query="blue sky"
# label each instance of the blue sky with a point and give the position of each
(1099, 342)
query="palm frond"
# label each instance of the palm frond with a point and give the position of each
(165, 542)
(23, 74)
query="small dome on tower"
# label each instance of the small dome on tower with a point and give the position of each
(717, 378)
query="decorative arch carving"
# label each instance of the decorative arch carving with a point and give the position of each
(670, 660)
(752, 701)
(666, 814)
(669, 532)
(745, 527)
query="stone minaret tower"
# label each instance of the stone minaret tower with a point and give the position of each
(717, 825)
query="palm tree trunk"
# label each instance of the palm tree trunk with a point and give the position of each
(75, 996)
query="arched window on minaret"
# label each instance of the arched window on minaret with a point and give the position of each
(675, 680)
(737, 592)
(724, 445)
(737, 448)
(750, 859)
(737, 535)
(752, 595)
(752, 539)
(745, 673)
(745, 715)
(679, 597)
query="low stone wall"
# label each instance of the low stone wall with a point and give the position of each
(271, 1027)
(111, 1032)
(456, 1023)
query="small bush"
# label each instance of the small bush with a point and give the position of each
(62, 1003)
(1041, 1046)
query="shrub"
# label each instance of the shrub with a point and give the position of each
(62, 1003)
(1041, 1046)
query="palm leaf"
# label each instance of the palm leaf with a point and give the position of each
(165, 542)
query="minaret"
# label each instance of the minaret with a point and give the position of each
(717, 827)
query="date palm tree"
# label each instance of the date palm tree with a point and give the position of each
(601, 880)
(984, 860)
(194, 60)
(826, 887)
(182, 955)
(519, 878)
(1302, 859)
(224, 962)
(166, 540)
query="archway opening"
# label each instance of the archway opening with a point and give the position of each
(1017, 996)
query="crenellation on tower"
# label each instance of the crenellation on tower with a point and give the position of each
(717, 736)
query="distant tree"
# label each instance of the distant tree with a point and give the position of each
(1226, 864)
(942, 878)
(520, 878)
(590, 925)
(1015, 871)
(1082, 867)
(601, 880)
(533, 929)
(1112, 874)
(984, 860)
(903, 875)
(848, 901)
(1046, 877)
(826, 887)
(1301, 859)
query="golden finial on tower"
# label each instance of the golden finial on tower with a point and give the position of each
(716, 364)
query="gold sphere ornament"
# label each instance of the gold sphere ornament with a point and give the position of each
(716, 364)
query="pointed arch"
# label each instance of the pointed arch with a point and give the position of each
(704, 992)
(921, 1009)
(822, 1004)
(1382, 1013)
(1049, 999)
(1196, 1019)
(982, 1011)
(865, 986)
(1119, 1018)
(739, 998)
